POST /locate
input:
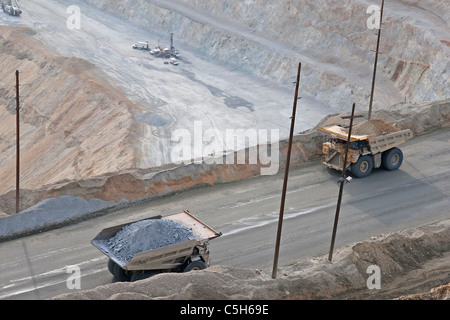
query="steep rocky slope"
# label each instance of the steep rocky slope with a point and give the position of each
(79, 135)
(331, 38)
(73, 123)
(437, 293)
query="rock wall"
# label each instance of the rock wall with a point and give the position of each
(73, 123)
(330, 38)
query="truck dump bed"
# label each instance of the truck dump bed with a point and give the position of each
(380, 135)
(165, 257)
(388, 141)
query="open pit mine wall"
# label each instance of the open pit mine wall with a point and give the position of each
(73, 123)
(302, 29)
(330, 38)
(139, 184)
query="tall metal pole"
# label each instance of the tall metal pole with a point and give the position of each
(342, 181)
(17, 142)
(375, 64)
(286, 174)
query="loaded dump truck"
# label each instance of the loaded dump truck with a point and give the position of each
(373, 144)
(143, 248)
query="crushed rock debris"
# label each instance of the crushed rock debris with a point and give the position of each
(146, 235)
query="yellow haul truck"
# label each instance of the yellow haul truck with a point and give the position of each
(373, 144)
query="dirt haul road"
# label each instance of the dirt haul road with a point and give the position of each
(246, 212)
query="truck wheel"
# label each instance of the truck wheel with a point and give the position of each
(120, 274)
(195, 265)
(392, 159)
(363, 167)
(111, 266)
(143, 274)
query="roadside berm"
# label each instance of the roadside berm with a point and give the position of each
(411, 262)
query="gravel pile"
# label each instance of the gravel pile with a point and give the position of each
(147, 235)
(374, 127)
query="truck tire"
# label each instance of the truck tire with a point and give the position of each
(142, 274)
(363, 167)
(120, 274)
(392, 159)
(111, 266)
(195, 265)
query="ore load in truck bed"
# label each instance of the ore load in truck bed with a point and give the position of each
(146, 235)
(373, 127)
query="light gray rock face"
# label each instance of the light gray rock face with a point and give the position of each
(333, 40)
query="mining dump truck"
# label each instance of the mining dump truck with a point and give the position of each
(143, 248)
(11, 7)
(373, 144)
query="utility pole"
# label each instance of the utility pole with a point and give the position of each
(342, 180)
(286, 174)
(375, 64)
(17, 142)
